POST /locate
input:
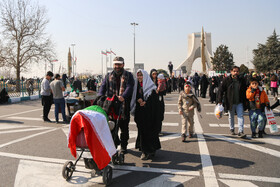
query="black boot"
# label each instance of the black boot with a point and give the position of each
(260, 134)
(253, 135)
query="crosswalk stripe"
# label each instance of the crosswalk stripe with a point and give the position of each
(33, 173)
(249, 177)
(171, 113)
(166, 181)
(20, 113)
(171, 104)
(24, 130)
(157, 170)
(163, 124)
(237, 183)
(209, 105)
(236, 125)
(25, 138)
(246, 144)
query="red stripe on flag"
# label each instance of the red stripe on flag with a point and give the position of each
(95, 145)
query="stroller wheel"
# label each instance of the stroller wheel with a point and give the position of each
(121, 158)
(107, 175)
(68, 170)
(115, 159)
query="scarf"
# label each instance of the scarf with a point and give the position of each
(112, 82)
(148, 87)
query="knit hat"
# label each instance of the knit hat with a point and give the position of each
(118, 60)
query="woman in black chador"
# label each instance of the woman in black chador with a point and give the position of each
(213, 89)
(145, 109)
(204, 85)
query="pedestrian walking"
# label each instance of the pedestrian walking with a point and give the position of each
(47, 98)
(91, 84)
(146, 112)
(120, 83)
(196, 80)
(160, 83)
(57, 88)
(213, 89)
(170, 68)
(258, 100)
(181, 83)
(234, 89)
(274, 86)
(203, 85)
(186, 104)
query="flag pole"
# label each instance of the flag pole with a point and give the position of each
(111, 65)
(101, 64)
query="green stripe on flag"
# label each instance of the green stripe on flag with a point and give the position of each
(97, 109)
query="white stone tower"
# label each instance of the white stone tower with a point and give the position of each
(199, 45)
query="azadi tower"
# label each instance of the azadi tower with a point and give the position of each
(199, 46)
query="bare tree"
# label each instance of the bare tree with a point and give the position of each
(24, 37)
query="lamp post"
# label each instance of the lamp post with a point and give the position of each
(73, 60)
(134, 24)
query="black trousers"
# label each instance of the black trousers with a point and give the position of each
(123, 140)
(47, 102)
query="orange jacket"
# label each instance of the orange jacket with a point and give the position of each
(251, 97)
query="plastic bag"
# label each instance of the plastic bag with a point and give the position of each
(271, 120)
(219, 109)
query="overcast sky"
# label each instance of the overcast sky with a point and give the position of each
(162, 33)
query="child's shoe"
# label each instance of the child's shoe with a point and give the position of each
(183, 137)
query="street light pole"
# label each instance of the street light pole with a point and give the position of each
(73, 60)
(134, 24)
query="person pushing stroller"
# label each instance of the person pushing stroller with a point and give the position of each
(120, 83)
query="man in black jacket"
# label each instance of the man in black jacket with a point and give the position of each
(233, 92)
(120, 83)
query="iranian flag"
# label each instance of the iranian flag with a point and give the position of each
(97, 134)
(103, 53)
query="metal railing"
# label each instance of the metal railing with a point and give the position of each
(30, 87)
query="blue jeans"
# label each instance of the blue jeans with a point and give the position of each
(239, 110)
(257, 119)
(59, 103)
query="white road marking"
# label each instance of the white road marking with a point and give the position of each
(276, 110)
(6, 126)
(249, 177)
(162, 139)
(235, 125)
(274, 140)
(171, 113)
(209, 104)
(157, 170)
(28, 118)
(210, 113)
(14, 114)
(170, 104)
(234, 183)
(25, 138)
(246, 144)
(24, 130)
(207, 166)
(165, 181)
(163, 124)
(31, 173)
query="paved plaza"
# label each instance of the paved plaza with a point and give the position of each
(32, 152)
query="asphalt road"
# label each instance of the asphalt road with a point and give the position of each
(32, 152)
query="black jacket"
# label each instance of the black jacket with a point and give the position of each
(226, 92)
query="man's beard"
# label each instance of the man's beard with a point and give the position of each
(118, 71)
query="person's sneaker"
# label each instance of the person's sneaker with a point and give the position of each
(226, 114)
(183, 136)
(253, 135)
(241, 135)
(232, 132)
(123, 150)
(144, 156)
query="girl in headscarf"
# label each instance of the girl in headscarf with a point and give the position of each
(145, 109)
(158, 81)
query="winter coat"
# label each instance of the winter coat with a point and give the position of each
(226, 89)
(185, 101)
(250, 94)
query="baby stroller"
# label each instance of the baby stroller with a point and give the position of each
(98, 164)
